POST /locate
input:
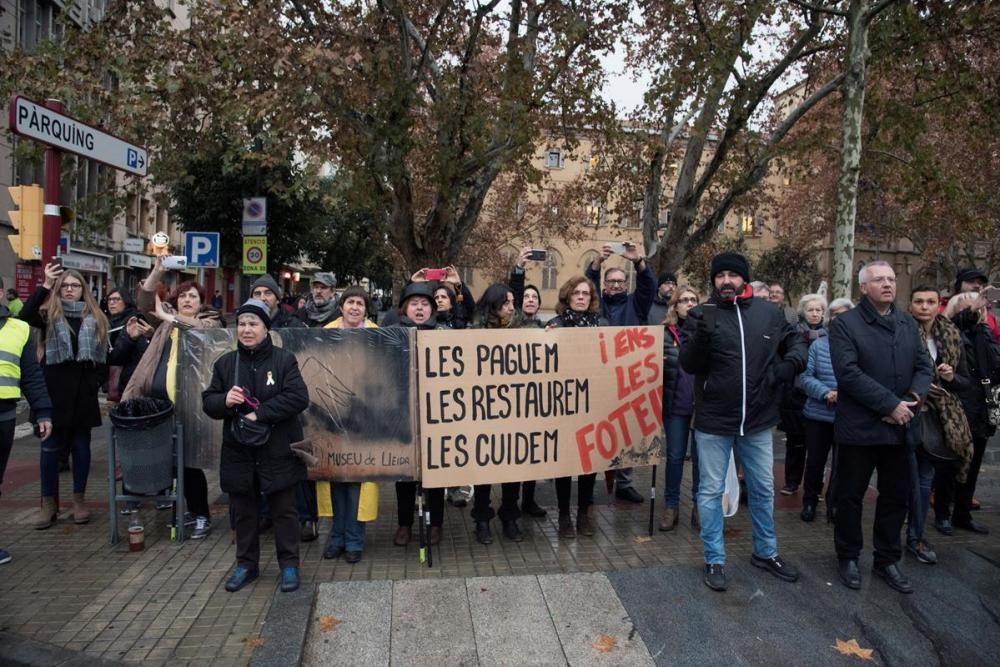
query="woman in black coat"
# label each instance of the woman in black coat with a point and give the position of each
(262, 383)
(982, 354)
(579, 306)
(74, 345)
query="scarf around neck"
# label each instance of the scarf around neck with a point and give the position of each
(571, 318)
(59, 344)
(948, 408)
(322, 313)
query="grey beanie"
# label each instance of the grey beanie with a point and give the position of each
(269, 283)
(258, 308)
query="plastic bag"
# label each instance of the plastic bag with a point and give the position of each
(731, 496)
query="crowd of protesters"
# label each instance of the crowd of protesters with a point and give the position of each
(855, 387)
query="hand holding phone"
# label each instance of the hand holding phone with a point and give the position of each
(174, 262)
(617, 248)
(436, 274)
(708, 313)
(537, 255)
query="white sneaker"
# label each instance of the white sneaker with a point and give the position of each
(202, 527)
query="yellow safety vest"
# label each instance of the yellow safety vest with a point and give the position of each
(13, 337)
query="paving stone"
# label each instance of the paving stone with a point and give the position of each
(448, 640)
(362, 612)
(505, 612)
(585, 608)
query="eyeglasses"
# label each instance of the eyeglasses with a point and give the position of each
(615, 282)
(688, 299)
(72, 286)
(113, 299)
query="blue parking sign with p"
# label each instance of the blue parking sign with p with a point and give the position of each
(202, 249)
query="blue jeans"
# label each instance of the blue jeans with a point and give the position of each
(347, 532)
(755, 454)
(921, 480)
(78, 443)
(677, 428)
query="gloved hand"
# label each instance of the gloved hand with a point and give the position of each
(784, 371)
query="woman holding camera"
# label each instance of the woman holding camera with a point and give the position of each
(161, 323)
(74, 349)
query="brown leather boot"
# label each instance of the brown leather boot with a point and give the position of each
(566, 530)
(669, 520)
(583, 525)
(435, 535)
(402, 537)
(80, 512)
(46, 513)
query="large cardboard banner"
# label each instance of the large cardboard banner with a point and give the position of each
(360, 419)
(517, 405)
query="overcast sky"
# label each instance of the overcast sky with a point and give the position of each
(620, 88)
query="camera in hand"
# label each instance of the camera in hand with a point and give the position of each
(174, 262)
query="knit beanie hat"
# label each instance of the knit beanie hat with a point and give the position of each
(258, 308)
(666, 278)
(269, 283)
(731, 261)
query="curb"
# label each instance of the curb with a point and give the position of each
(284, 629)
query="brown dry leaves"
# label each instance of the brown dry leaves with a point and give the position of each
(851, 647)
(254, 642)
(328, 623)
(643, 539)
(605, 643)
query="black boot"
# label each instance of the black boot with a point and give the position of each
(483, 534)
(808, 512)
(512, 531)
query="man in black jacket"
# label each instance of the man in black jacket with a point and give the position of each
(883, 375)
(25, 378)
(740, 349)
(266, 289)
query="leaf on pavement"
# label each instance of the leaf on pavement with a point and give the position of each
(852, 647)
(605, 643)
(643, 539)
(254, 642)
(328, 623)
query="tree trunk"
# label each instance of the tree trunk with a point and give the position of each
(850, 153)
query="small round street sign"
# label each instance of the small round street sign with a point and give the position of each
(255, 255)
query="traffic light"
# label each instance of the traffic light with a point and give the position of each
(29, 200)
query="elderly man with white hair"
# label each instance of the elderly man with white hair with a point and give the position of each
(883, 375)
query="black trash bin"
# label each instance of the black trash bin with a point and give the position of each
(144, 430)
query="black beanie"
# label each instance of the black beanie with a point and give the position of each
(255, 307)
(666, 278)
(731, 261)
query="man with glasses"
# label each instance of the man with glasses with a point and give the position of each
(883, 376)
(665, 286)
(621, 309)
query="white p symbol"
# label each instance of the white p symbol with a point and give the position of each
(201, 246)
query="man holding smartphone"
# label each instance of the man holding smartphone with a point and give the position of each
(740, 349)
(622, 309)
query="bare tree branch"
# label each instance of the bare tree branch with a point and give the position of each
(823, 9)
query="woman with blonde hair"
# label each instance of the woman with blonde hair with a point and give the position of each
(678, 407)
(73, 346)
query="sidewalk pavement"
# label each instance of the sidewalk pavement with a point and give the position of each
(538, 601)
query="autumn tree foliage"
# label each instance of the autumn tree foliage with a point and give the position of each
(426, 104)
(929, 163)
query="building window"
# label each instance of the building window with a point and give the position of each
(597, 214)
(749, 225)
(550, 271)
(553, 159)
